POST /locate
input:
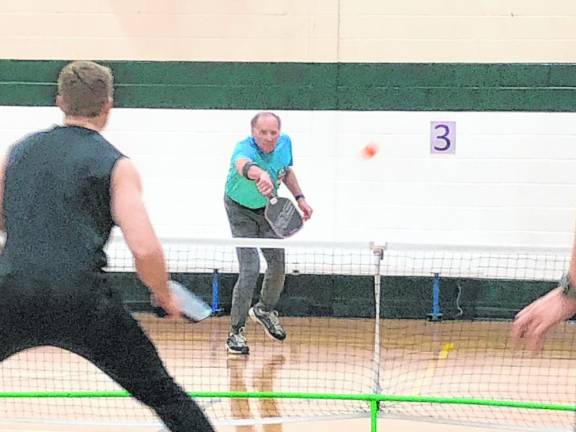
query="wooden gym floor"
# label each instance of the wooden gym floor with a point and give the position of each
(452, 359)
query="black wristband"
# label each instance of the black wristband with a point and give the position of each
(246, 168)
(299, 197)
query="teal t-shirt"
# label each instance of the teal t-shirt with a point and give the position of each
(276, 163)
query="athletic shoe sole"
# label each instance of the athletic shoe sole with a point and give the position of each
(231, 351)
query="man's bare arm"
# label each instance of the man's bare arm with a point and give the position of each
(293, 186)
(254, 172)
(2, 182)
(131, 216)
(291, 183)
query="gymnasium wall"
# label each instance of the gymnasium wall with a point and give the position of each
(341, 74)
(510, 182)
(372, 31)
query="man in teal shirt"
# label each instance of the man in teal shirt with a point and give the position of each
(257, 167)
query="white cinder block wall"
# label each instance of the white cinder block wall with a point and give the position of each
(511, 182)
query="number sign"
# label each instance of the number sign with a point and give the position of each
(443, 137)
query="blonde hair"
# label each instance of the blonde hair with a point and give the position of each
(85, 87)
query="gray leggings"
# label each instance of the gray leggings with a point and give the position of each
(250, 223)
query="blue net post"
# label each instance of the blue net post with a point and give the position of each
(436, 314)
(216, 310)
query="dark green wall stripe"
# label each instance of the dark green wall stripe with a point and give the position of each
(312, 86)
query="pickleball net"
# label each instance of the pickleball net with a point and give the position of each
(362, 322)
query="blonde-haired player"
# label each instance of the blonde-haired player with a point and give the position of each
(61, 191)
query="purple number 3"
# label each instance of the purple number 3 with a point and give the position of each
(443, 137)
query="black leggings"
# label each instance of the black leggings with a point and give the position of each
(89, 320)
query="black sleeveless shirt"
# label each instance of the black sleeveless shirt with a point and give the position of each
(57, 201)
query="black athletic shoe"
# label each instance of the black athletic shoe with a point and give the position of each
(236, 342)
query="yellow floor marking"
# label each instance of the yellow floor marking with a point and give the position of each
(432, 365)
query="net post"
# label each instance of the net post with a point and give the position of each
(378, 254)
(436, 314)
(373, 415)
(216, 309)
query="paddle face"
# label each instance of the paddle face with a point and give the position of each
(283, 217)
(194, 308)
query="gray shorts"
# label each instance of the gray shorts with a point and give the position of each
(246, 222)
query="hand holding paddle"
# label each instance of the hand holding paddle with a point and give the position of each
(182, 302)
(264, 184)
